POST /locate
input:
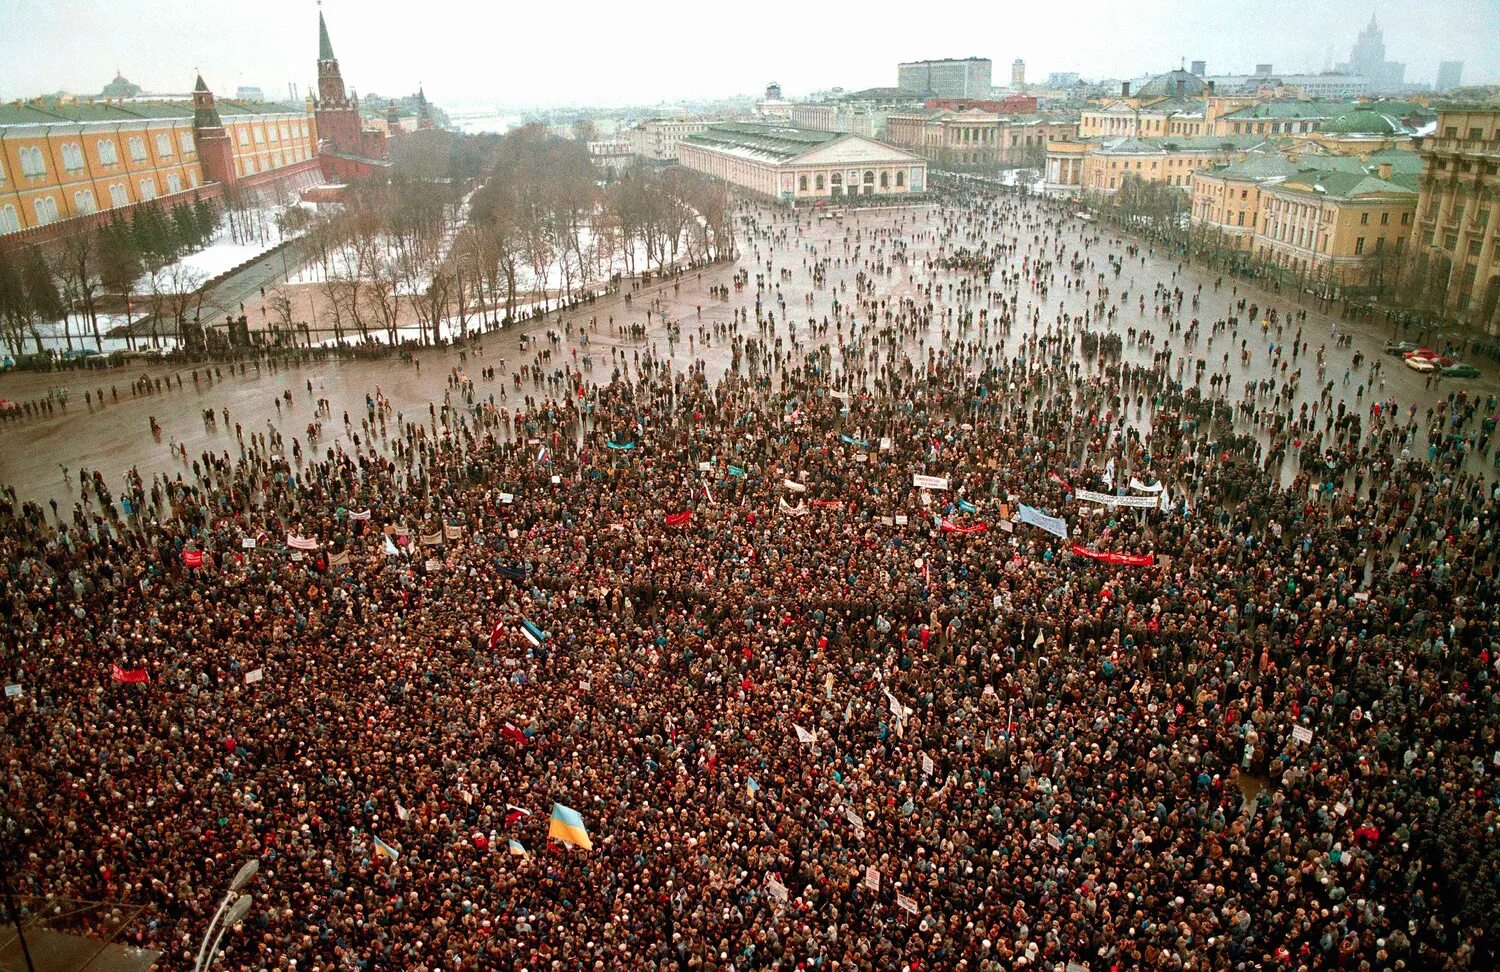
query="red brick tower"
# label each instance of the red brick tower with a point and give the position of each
(337, 113)
(215, 151)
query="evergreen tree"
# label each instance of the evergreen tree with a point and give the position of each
(44, 302)
(207, 218)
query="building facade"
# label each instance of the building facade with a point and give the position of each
(1458, 215)
(67, 161)
(1334, 227)
(657, 140)
(967, 77)
(795, 164)
(980, 138)
(1102, 165)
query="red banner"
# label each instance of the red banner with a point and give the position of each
(679, 519)
(826, 502)
(130, 676)
(948, 526)
(192, 558)
(1124, 560)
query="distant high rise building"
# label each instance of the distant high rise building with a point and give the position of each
(1263, 70)
(946, 78)
(249, 92)
(1450, 74)
(1367, 59)
(1200, 68)
(1062, 79)
(1018, 73)
(773, 91)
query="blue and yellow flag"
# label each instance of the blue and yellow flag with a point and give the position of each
(386, 850)
(567, 827)
(516, 848)
(752, 787)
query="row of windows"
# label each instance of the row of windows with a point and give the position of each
(84, 203)
(286, 130)
(34, 160)
(838, 179)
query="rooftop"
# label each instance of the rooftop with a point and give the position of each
(776, 143)
(110, 111)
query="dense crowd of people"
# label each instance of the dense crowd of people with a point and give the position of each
(934, 634)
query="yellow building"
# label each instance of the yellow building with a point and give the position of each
(797, 163)
(1102, 165)
(1226, 198)
(63, 161)
(1333, 226)
(976, 137)
(1455, 235)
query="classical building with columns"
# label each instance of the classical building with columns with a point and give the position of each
(1102, 165)
(978, 137)
(1457, 225)
(792, 164)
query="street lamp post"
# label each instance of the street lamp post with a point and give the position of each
(232, 901)
(236, 914)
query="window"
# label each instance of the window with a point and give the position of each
(164, 145)
(148, 188)
(108, 155)
(244, 136)
(900, 179)
(249, 167)
(117, 195)
(1385, 219)
(9, 221)
(83, 202)
(818, 182)
(273, 134)
(72, 156)
(2, 168)
(185, 142)
(174, 182)
(260, 135)
(32, 161)
(1475, 246)
(885, 180)
(1450, 241)
(286, 131)
(46, 210)
(193, 178)
(1364, 219)
(276, 162)
(802, 183)
(137, 147)
(1359, 246)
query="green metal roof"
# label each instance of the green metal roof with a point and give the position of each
(776, 142)
(1344, 185)
(110, 111)
(1291, 110)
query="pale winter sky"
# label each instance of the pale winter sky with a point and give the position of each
(605, 52)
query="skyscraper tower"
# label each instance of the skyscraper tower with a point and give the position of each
(1018, 73)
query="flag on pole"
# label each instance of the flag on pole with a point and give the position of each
(496, 633)
(386, 850)
(513, 734)
(752, 787)
(803, 736)
(533, 634)
(516, 849)
(390, 548)
(401, 811)
(192, 558)
(567, 826)
(514, 813)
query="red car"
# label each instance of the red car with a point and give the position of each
(1421, 353)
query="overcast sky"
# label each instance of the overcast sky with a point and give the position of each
(605, 52)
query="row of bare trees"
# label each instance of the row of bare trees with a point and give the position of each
(539, 229)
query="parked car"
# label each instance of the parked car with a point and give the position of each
(1399, 347)
(1421, 353)
(1460, 370)
(1421, 364)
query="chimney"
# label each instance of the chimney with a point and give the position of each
(1210, 89)
(1181, 88)
(1124, 89)
(1383, 170)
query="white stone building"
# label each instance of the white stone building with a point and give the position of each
(795, 163)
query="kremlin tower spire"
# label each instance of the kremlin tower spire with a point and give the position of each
(330, 81)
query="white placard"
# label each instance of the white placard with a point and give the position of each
(507, 498)
(13, 691)
(855, 821)
(905, 903)
(872, 879)
(929, 482)
(885, 443)
(1340, 809)
(252, 677)
(776, 889)
(1054, 842)
(556, 480)
(902, 519)
(928, 766)
(1302, 734)
(705, 466)
(247, 543)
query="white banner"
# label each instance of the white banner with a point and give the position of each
(301, 543)
(793, 485)
(803, 736)
(1136, 484)
(1109, 499)
(929, 482)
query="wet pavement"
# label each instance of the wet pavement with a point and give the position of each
(35, 452)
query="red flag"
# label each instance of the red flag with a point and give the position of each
(1104, 556)
(192, 558)
(513, 734)
(679, 519)
(130, 676)
(496, 633)
(515, 813)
